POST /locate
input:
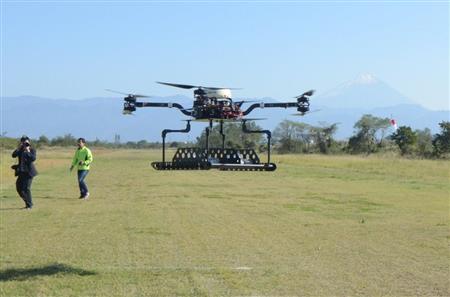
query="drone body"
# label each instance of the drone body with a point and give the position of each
(212, 104)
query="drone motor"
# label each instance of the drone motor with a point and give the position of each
(303, 102)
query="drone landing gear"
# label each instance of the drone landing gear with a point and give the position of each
(214, 158)
(192, 158)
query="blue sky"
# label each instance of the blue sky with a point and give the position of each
(77, 49)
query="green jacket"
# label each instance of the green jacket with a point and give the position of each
(84, 156)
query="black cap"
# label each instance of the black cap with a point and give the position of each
(24, 138)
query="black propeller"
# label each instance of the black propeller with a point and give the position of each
(306, 94)
(304, 113)
(127, 94)
(191, 86)
(177, 85)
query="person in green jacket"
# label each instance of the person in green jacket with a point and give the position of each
(82, 159)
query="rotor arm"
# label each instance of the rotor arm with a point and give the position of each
(302, 104)
(270, 105)
(163, 104)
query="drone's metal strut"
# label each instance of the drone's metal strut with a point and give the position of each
(207, 130)
(223, 135)
(166, 131)
(267, 132)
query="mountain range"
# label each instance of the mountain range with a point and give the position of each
(101, 118)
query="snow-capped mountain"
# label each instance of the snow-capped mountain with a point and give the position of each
(366, 91)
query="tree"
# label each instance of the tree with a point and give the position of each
(405, 138)
(130, 144)
(293, 137)
(66, 140)
(441, 141)
(323, 137)
(284, 136)
(174, 144)
(424, 143)
(97, 142)
(142, 144)
(43, 140)
(370, 132)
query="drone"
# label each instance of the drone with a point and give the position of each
(214, 105)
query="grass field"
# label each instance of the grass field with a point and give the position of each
(318, 226)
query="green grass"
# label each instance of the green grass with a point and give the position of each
(318, 226)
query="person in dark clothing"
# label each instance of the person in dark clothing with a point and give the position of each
(25, 170)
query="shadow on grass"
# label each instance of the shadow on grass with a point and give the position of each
(59, 197)
(11, 208)
(21, 274)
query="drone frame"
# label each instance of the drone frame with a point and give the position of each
(220, 158)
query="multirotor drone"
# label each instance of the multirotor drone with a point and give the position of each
(214, 105)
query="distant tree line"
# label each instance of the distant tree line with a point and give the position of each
(295, 137)
(69, 140)
(371, 136)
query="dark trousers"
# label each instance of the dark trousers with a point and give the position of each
(23, 187)
(83, 186)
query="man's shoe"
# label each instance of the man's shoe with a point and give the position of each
(86, 197)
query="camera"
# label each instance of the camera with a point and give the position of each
(26, 144)
(16, 169)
